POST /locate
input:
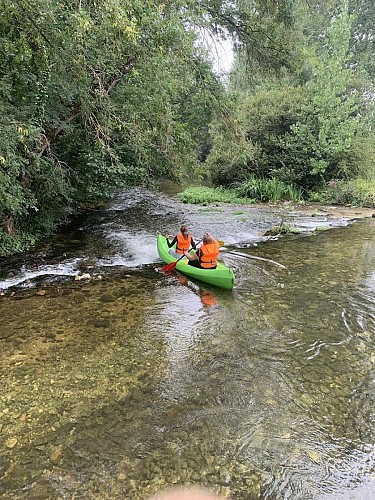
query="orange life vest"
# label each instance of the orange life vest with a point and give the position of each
(182, 244)
(209, 253)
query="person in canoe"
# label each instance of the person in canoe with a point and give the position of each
(183, 240)
(206, 255)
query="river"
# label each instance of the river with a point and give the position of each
(134, 380)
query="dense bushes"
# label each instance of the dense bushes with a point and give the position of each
(302, 131)
(357, 192)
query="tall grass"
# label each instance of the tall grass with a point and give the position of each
(204, 195)
(266, 190)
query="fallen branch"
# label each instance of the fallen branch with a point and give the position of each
(257, 258)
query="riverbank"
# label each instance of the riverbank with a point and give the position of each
(316, 209)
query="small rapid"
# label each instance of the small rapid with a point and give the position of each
(123, 235)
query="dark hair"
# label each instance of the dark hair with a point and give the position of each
(183, 229)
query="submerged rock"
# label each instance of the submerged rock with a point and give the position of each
(11, 442)
(56, 454)
(80, 277)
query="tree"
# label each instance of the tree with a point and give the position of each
(363, 35)
(91, 93)
(330, 117)
(305, 128)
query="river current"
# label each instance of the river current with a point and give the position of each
(134, 380)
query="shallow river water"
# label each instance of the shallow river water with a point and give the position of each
(135, 380)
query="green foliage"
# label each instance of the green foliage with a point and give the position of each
(263, 29)
(13, 244)
(231, 156)
(282, 228)
(362, 40)
(204, 195)
(202, 95)
(265, 190)
(329, 118)
(96, 95)
(302, 135)
(357, 192)
(247, 141)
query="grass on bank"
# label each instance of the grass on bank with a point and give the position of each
(268, 190)
(356, 192)
(204, 195)
(251, 191)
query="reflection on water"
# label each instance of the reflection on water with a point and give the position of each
(117, 387)
(322, 352)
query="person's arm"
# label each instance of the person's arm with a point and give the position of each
(192, 244)
(173, 242)
(191, 256)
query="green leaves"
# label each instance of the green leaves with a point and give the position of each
(110, 93)
(329, 119)
(100, 94)
(303, 129)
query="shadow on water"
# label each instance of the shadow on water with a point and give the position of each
(117, 387)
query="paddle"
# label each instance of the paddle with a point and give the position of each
(172, 265)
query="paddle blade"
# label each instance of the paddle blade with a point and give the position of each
(169, 267)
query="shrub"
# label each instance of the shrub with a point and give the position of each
(359, 192)
(205, 195)
(268, 190)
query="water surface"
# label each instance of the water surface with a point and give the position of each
(136, 380)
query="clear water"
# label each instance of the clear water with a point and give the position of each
(133, 381)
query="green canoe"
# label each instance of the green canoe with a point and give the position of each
(222, 276)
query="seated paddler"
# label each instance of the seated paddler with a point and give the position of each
(207, 254)
(183, 241)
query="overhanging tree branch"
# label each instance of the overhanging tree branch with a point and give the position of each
(107, 87)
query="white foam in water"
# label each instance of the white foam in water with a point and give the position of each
(133, 250)
(67, 268)
(370, 282)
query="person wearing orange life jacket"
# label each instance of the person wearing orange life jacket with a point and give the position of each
(183, 241)
(206, 256)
